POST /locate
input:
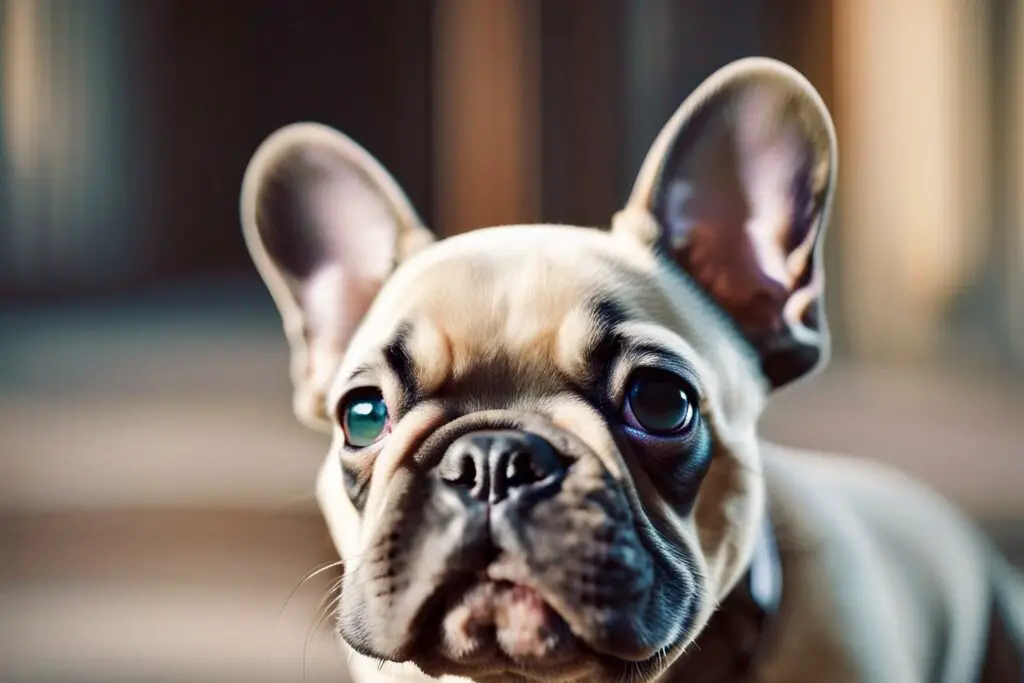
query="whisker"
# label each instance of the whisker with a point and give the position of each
(326, 607)
(306, 579)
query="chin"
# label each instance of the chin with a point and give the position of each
(493, 630)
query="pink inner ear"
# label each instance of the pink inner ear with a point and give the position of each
(724, 263)
(357, 228)
(334, 304)
(771, 153)
(742, 216)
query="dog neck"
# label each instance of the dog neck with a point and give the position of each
(738, 634)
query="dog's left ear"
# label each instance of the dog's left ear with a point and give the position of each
(737, 190)
(325, 225)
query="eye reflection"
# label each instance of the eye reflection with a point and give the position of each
(364, 417)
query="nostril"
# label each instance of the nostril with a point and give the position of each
(521, 470)
(464, 474)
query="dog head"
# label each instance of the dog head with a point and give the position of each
(544, 462)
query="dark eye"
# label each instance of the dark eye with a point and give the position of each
(364, 417)
(659, 403)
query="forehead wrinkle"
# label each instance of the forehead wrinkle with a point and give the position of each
(506, 381)
(517, 294)
(512, 317)
(578, 337)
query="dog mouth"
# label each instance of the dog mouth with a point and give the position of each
(486, 625)
(512, 619)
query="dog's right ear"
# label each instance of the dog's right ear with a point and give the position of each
(737, 190)
(325, 225)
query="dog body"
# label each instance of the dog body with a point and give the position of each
(889, 582)
(545, 462)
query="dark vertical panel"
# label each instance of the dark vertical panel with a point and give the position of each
(201, 84)
(146, 79)
(673, 45)
(583, 90)
(799, 32)
(236, 76)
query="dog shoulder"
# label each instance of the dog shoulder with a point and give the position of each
(905, 575)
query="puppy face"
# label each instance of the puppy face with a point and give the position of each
(544, 462)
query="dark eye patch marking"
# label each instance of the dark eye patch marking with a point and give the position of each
(399, 360)
(606, 346)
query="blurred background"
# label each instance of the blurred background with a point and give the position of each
(155, 493)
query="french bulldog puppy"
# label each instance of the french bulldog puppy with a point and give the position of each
(545, 462)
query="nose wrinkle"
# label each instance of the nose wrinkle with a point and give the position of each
(592, 430)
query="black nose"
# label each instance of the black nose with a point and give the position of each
(491, 465)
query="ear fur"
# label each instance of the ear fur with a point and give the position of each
(737, 189)
(325, 225)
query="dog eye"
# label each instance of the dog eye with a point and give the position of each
(364, 417)
(659, 403)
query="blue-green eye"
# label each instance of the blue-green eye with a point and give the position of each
(364, 417)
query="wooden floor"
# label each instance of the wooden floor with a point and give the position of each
(155, 493)
(165, 596)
